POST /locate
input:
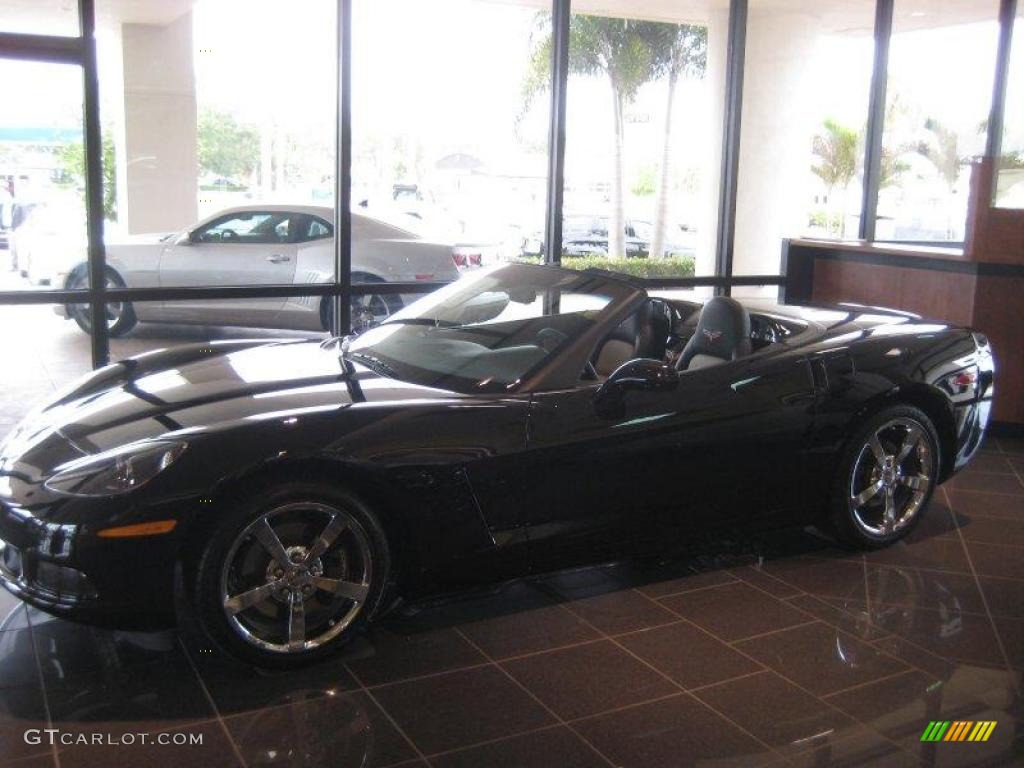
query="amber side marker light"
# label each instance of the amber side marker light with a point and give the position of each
(138, 529)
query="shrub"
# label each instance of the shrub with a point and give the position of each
(669, 266)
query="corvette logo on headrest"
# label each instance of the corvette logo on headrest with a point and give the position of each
(713, 336)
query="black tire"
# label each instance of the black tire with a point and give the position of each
(852, 511)
(126, 319)
(381, 305)
(221, 550)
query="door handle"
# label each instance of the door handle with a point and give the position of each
(278, 258)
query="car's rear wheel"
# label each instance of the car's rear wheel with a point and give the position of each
(367, 310)
(290, 575)
(120, 314)
(886, 477)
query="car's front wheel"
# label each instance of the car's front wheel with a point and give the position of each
(886, 477)
(290, 575)
(120, 315)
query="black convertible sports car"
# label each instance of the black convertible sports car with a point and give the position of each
(520, 418)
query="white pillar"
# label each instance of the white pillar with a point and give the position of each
(711, 171)
(158, 177)
(778, 123)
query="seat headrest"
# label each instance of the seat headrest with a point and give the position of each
(723, 332)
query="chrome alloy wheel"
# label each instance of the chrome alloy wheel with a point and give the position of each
(368, 311)
(82, 312)
(296, 577)
(891, 477)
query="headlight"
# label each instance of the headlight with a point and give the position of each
(118, 471)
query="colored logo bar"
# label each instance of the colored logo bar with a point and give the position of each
(958, 730)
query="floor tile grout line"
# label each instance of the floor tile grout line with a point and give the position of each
(769, 576)
(396, 725)
(1017, 474)
(54, 752)
(800, 687)
(988, 472)
(812, 620)
(867, 589)
(673, 682)
(823, 600)
(728, 680)
(694, 589)
(930, 609)
(488, 742)
(415, 678)
(787, 601)
(984, 602)
(922, 649)
(873, 682)
(537, 700)
(986, 493)
(213, 704)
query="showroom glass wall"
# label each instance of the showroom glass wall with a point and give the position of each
(806, 82)
(709, 130)
(1009, 191)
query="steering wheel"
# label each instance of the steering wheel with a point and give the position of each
(228, 234)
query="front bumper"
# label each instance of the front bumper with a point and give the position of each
(65, 571)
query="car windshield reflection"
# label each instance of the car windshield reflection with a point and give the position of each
(488, 332)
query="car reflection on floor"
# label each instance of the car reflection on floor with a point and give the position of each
(741, 651)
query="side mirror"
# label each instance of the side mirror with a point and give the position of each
(184, 239)
(641, 374)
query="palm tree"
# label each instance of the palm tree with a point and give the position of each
(621, 50)
(942, 148)
(682, 50)
(838, 155)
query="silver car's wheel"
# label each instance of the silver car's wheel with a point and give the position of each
(296, 577)
(120, 315)
(892, 477)
(368, 311)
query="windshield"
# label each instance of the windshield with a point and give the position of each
(490, 330)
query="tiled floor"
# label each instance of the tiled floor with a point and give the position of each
(773, 651)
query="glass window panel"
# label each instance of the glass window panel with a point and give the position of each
(40, 17)
(806, 78)
(643, 137)
(1010, 181)
(42, 177)
(170, 323)
(49, 352)
(219, 131)
(941, 65)
(450, 121)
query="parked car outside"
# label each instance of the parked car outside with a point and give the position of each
(247, 245)
(585, 235)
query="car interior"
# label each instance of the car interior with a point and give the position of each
(688, 335)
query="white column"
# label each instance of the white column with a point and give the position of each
(711, 170)
(158, 174)
(778, 123)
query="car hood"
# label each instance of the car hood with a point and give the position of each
(196, 389)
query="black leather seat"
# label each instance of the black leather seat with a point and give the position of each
(642, 334)
(723, 334)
